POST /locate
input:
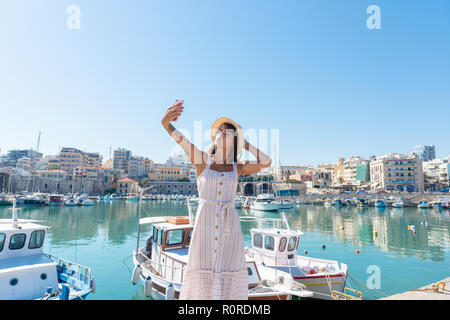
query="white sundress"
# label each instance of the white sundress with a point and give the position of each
(216, 268)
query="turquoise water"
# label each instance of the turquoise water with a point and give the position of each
(103, 237)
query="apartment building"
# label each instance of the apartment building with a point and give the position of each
(397, 172)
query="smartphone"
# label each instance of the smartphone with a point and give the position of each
(176, 101)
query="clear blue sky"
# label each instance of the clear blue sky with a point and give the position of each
(311, 69)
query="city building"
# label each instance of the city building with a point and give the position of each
(350, 168)
(121, 159)
(363, 174)
(70, 158)
(14, 155)
(424, 152)
(126, 186)
(397, 172)
(168, 174)
(174, 187)
(436, 174)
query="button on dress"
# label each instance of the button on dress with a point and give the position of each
(216, 268)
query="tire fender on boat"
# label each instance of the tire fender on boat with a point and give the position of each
(170, 292)
(148, 285)
(93, 285)
(136, 273)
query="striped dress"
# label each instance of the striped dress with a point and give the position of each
(216, 268)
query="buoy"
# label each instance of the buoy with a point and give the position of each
(305, 252)
(170, 292)
(375, 233)
(136, 272)
(357, 251)
(93, 285)
(342, 228)
(324, 246)
(148, 285)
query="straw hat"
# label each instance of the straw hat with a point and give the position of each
(240, 133)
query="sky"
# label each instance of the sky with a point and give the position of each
(310, 69)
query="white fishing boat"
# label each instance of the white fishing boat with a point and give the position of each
(424, 205)
(277, 248)
(162, 262)
(398, 203)
(265, 202)
(26, 273)
(71, 202)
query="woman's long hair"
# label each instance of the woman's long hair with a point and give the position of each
(227, 125)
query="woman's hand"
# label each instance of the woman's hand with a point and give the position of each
(172, 113)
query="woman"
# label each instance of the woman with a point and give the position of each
(216, 267)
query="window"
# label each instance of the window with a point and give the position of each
(269, 243)
(36, 239)
(298, 240)
(257, 241)
(160, 236)
(17, 241)
(2, 241)
(174, 237)
(189, 236)
(282, 245)
(155, 234)
(249, 271)
(292, 243)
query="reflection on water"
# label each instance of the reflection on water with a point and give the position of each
(103, 237)
(382, 228)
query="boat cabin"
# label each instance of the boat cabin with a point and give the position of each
(166, 252)
(25, 272)
(275, 246)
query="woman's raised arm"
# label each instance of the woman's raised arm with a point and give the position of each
(262, 161)
(196, 156)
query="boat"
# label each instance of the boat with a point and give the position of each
(72, 202)
(56, 200)
(132, 197)
(286, 204)
(338, 203)
(380, 203)
(27, 273)
(437, 204)
(398, 203)
(87, 202)
(6, 200)
(265, 202)
(277, 248)
(362, 203)
(237, 203)
(423, 205)
(162, 262)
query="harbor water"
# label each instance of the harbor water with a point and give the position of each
(392, 257)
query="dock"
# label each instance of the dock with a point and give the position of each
(435, 291)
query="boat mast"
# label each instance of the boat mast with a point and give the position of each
(33, 169)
